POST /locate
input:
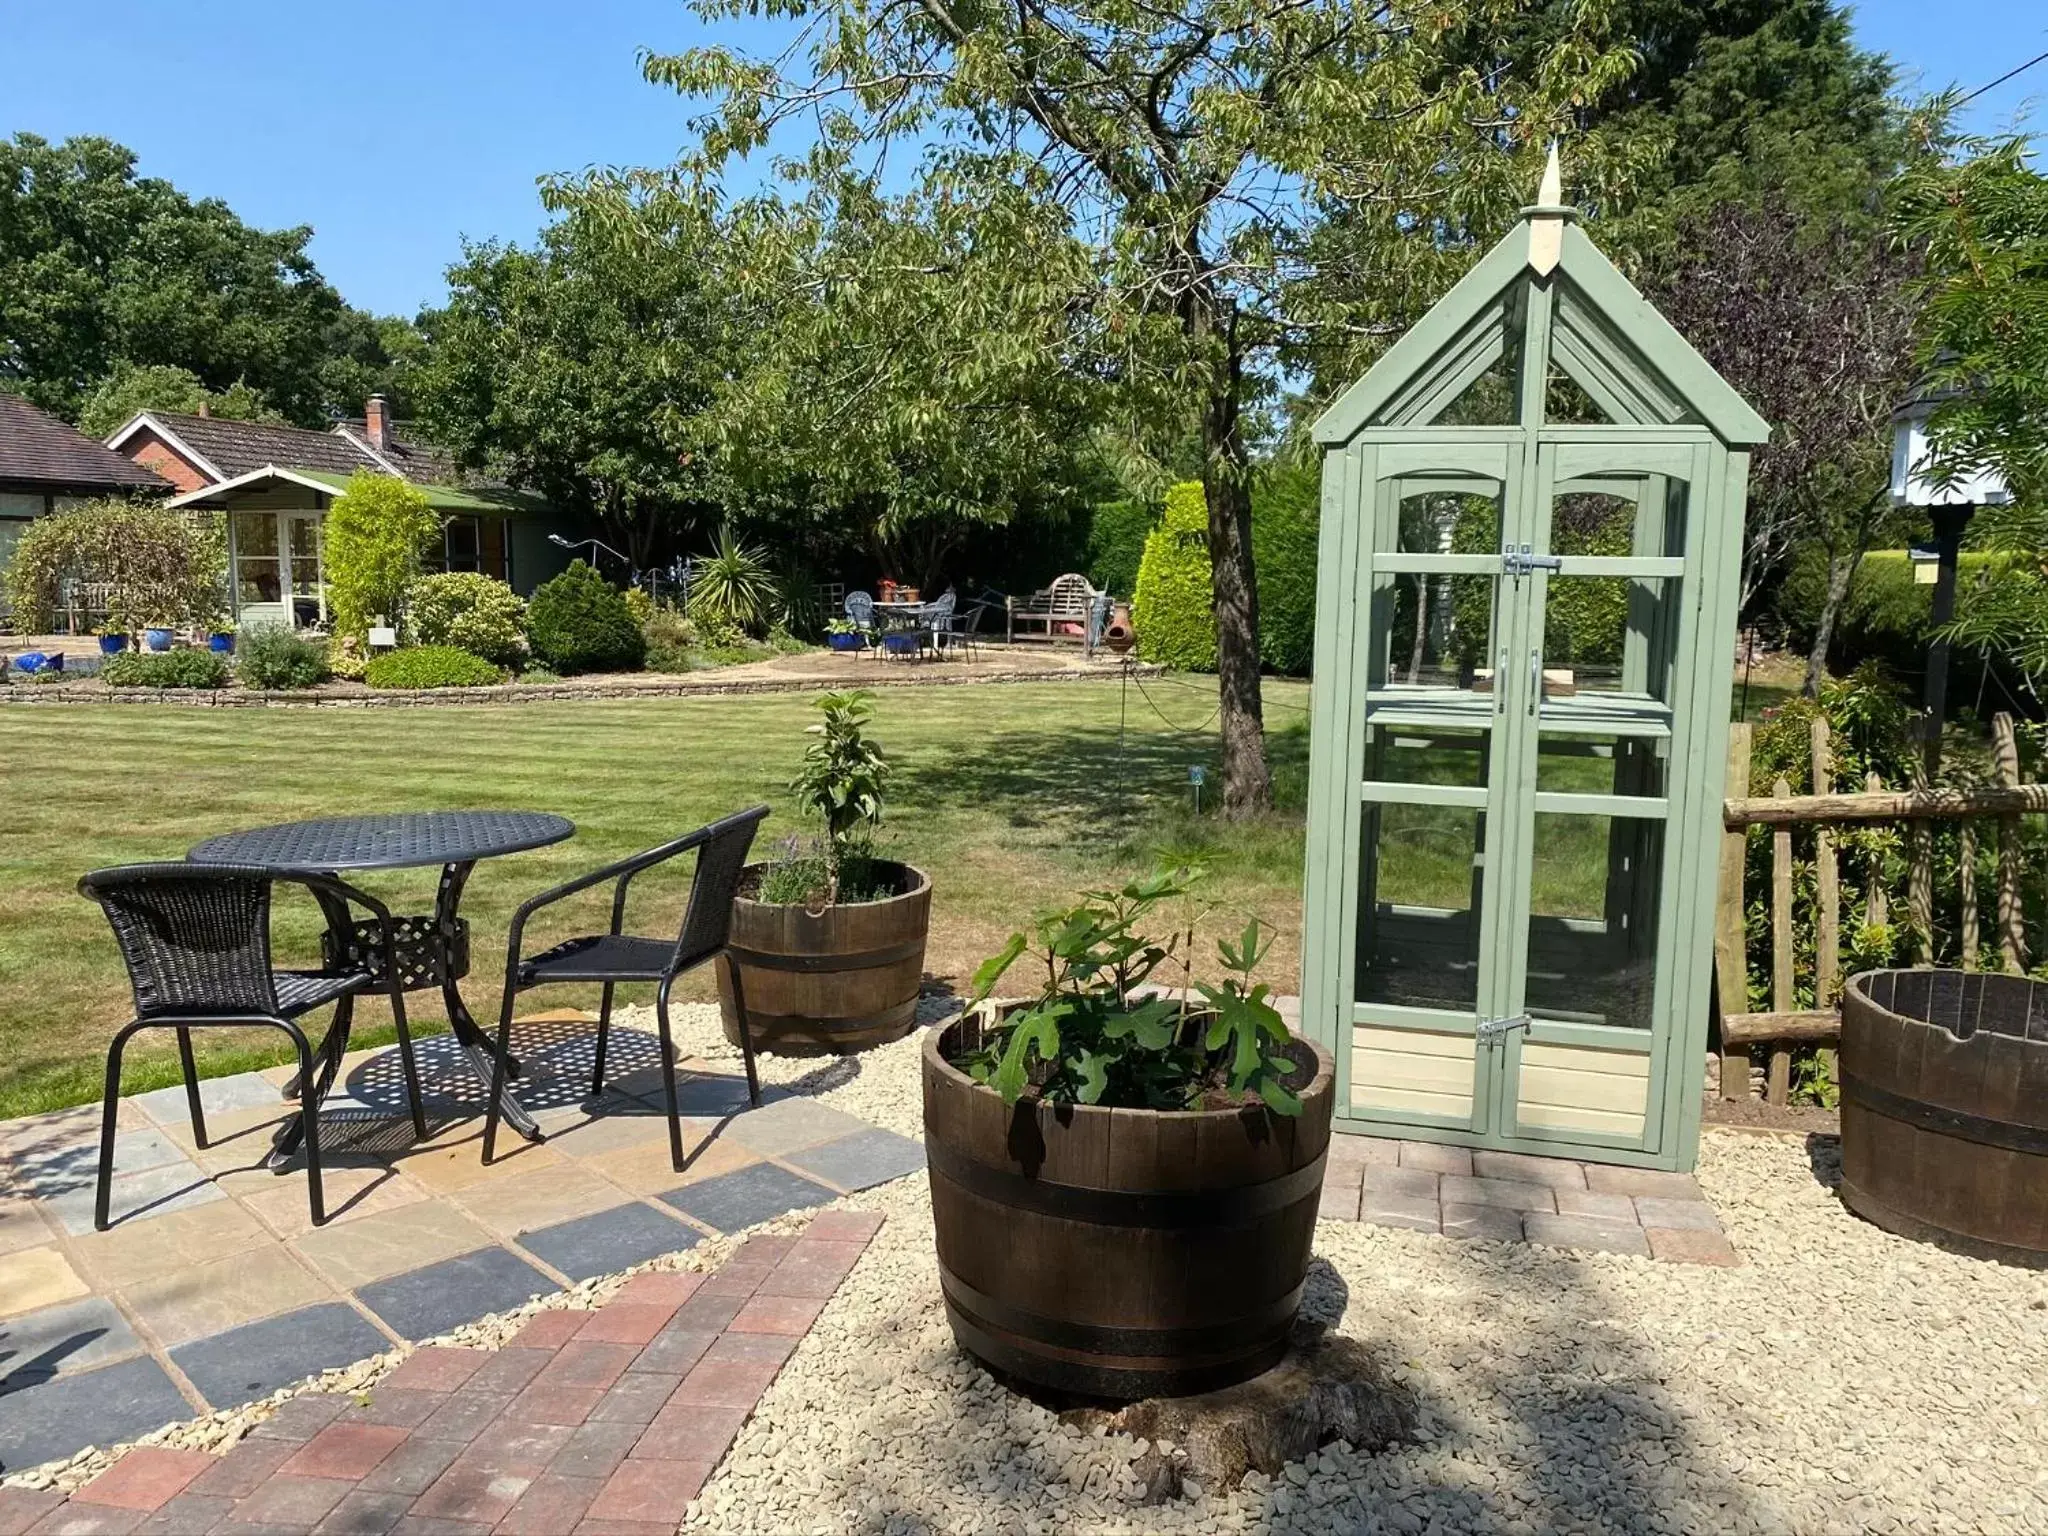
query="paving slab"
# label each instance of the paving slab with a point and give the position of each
(63, 1340)
(776, 1130)
(862, 1160)
(741, 1199)
(423, 1302)
(256, 1359)
(34, 1278)
(180, 1305)
(136, 1196)
(98, 1407)
(217, 1096)
(608, 1241)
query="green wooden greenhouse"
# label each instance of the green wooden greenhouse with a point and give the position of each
(1525, 621)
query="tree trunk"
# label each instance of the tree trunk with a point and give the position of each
(1227, 491)
(1841, 575)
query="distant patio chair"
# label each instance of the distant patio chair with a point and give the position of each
(196, 941)
(860, 607)
(614, 957)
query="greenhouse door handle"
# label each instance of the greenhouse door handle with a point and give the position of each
(1492, 1030)
(1500, 681)
(1535, 680)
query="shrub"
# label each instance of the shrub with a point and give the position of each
(1116, 543)
(273, 656)
(431, 666)
(470, 611)
(670, 639)
(159, 566)
(375, 535)
(639, 603)
(1174, 610)
(579, 622)
(166, 669)
(733, 586)
(347, 658)
(842, 781)
(1286, 513)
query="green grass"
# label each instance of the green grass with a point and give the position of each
(1011, 796)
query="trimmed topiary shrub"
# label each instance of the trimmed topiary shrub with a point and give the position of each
(1174, 609)
(273, 656)
(470, 611)
(1286, 513)
(431, 666)
(579, 622)
(1116, 543)
(166, 669)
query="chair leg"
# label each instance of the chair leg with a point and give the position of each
(498, 1060)
(309, 1123)
(192, 1087)
(668, 1075)
(604, 1027)
(110, 1113)
(746, 1033)
(409, 1061)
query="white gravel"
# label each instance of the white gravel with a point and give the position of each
(1842, 1379)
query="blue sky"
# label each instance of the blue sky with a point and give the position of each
(396, 130)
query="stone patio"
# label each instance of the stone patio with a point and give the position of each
(212, 1288)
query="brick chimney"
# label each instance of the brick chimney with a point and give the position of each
(377, 423)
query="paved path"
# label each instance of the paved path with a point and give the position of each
(601, 1423)
(213, 1289)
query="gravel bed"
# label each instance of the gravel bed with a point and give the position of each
(1842, 1379)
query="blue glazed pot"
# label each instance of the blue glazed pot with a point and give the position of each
(224, 644)
(113, 645)
(157, 639)
(846, 642)
(902, 645)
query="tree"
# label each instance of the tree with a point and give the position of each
(1815, 329)
(374, 539)
(578, 369)
(161, 387)
(102, 270)
(158, 567)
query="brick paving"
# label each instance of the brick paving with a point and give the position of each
(583, 1423)
(1510, 1197)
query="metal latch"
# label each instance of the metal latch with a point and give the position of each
(1499, 1029)
(1520, 562)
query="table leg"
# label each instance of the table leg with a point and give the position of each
(475, 1044)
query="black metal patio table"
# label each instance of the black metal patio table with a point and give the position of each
(431, 950)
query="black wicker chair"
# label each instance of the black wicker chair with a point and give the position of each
(613, 957)
(196, 940)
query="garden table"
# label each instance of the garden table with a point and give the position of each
(430, 950)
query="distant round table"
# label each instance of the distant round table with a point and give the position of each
(431, 950)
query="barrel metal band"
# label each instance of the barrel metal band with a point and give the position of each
(1945, 1122)
(1235, 1336)
(1162, 1209)
(857, 960)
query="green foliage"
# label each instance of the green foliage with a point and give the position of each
(800, 875)
(160, 568)
(733, 586)
(842, 779)
(347, 658)
(1585, 618)
(165, 669)
(373, 541)
(276, 656)
(133, 387)
(1286, 514)
(1116, 543)
(1090, 1036)
(103, 272)
(579, 622)
(431, 666)
(1174, 609)
(537, 673)
(470, 611)
(670, 637)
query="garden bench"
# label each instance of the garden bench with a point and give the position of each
(1058, 610)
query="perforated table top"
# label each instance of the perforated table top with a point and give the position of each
(386, 842)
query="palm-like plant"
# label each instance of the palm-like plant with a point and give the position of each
(733, 584)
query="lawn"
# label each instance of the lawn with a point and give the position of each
(1012, 796)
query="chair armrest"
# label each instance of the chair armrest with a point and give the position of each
(337, 895)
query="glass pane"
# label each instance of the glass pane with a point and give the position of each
(1445, 523)
(1418, 925)
(1610, 634)
(1595, 883)
(1408, 756)
(258, 580)
(255, 533)
(305, 536)
(1599, 765)
(463, 544)
(1437, 631)
(306, 578)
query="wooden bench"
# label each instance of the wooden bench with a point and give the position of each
(1068, 601)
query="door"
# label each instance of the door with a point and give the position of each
(1525, 651)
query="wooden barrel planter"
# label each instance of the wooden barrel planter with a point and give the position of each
(839, 979)
(1122, 1253)
(1945, 1109)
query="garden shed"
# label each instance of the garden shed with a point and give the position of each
(1526, 593)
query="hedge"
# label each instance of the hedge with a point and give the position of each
(1286, 513)
(579, 622)
(1174, 608)
(166, 669)
(1116, 543)
(431, 666)
(470, 611)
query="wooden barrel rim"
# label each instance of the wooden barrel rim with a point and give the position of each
(921, 885)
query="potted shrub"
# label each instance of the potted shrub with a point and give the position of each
(845, 635)
(829, 939)
(112, 642)
(1124, 1182)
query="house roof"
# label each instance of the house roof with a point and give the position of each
(327, 482)
(38, 449)
(235, 447)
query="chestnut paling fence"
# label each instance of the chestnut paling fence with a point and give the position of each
(1919, 808)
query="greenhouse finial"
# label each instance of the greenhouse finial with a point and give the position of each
(1550, 194)
(1546, 218)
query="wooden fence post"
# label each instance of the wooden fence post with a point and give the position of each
(1779, 1087)
(1966, 873)
(1920, 873)
(1827, 942)
(1731, 940)
(2012, 927)
(1877, 911)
